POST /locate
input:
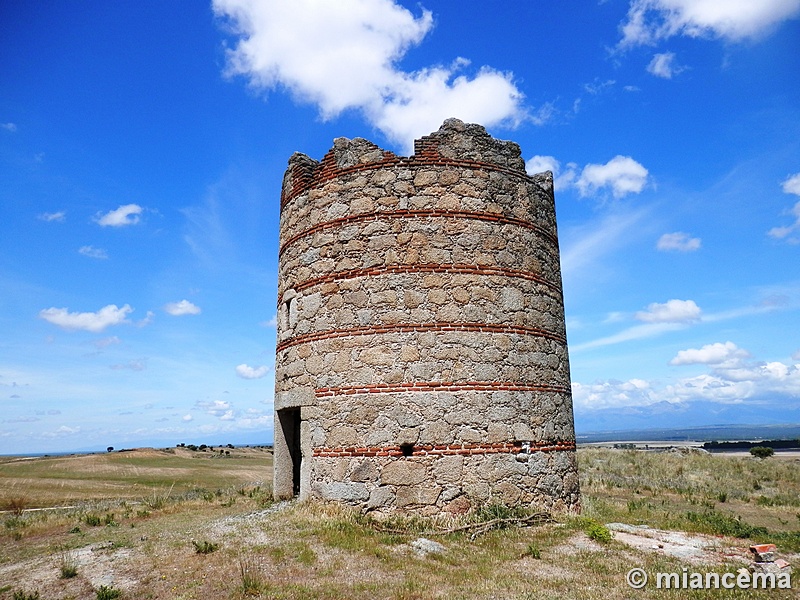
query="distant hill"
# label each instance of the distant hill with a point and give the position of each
(696, 434)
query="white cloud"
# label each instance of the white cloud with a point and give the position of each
(787, 230)
(184, 307)
(272, 322)
(622, 174)
(62, 431)
(93, 252)
(561, 180)
(678, 241)
(187, 417)
(540, 164)
(247, 372)
(106, 342)
(60, 216)
(217, 408)
(727, 354)
(344, 55)
(127, 214)
(672, 311)
(87, 321)
(792, 184)
(133, 365)
(613, 394)
(636, 332)
(584, 247)
(649, 21)
(731, 381)
(12, 127)
(663, 65)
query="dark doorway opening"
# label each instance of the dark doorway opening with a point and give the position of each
(290, 425)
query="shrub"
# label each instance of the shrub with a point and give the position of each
(93, 520)
(17, 505)
(533, 551)
(252, 582)
(108, 593)
(21, 595)
(204, 547)
(69, 566)
(599, 533)
(762, 451)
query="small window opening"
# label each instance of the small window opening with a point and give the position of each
(407, 449)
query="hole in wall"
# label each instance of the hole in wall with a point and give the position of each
(407, 449)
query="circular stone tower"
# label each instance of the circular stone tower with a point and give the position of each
(422, 358)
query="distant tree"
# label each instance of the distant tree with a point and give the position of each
(110, 449)
(229, 446)
(762, 451)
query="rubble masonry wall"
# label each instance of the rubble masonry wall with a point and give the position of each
(421, 337)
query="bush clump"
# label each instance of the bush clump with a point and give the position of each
(762, 451)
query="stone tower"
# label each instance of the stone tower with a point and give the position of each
(422, 358)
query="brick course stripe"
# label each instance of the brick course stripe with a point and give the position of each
(306, 177)
(452, 269)
(416, 214)
(437, 386)
(419, 328)
(446, 449)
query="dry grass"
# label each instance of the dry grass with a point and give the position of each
(314, 550)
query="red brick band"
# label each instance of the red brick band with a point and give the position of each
(437, 386)
(446, 449)
(402, 214)
(451, 269)
(305, 177)
(419, 328)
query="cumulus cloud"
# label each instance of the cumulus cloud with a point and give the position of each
(613, 394)
(93, 252)
(790, 186)
(187, 417)
(663, 65)
(672, 311)
(731, 380)
(184, 307)
(727, 354)
(649, 21)
(678, 241)
(622, 174)
(59, 216)
(247, 372)
(344, 55)
(562, 179)
(87, 321)
(217, 408)
(127, 214)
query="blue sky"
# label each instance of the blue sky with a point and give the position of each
(142, 146)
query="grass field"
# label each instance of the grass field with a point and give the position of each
(65, 480)
(179, 524)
